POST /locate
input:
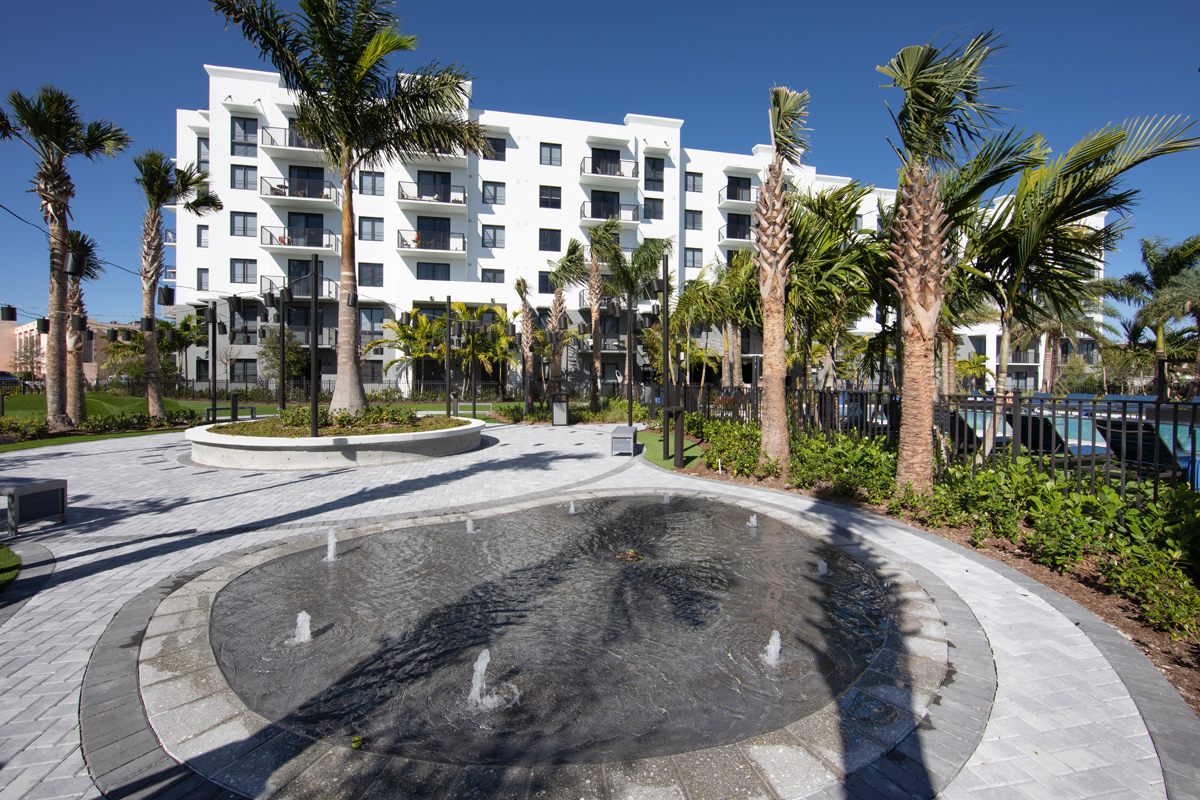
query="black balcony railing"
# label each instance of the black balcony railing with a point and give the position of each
(284, 137)
(623, 212)
(742, 194)
(299, 237)
(432, 240)
(433, 192)
(735, 232)
(611, 167)
(309, 188)
(168, 236)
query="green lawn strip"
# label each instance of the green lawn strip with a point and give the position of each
(10, 565)
(652, 444)
(91, 437)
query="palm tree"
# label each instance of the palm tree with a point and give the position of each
(942, 111)
(601, 238)
(772, 256)
(1037, 251)
(51, 126)
(521, 287)
(741, 305)
(84, 249)
(163, 184)
(1162, 263)
(628, 278)
(1179, 298)
(570, 270)
(333, 55)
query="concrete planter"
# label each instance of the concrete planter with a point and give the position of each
(252, 452)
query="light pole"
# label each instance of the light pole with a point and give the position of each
(313, 369)
(210, 317)
(448, 356)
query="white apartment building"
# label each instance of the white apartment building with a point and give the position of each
(461, 226)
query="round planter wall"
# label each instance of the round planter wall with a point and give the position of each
(326, 452)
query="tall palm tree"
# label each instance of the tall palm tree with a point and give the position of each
(628, 278)
(1162, 263)
(521, 287)
(1179, 298)
(942, 111)
(601, 239)
(84, 249)
(359, 111)
(570, 270)
(1038, 250)
(741, 303)
(50, 125)
(162, 184)
(772, 257)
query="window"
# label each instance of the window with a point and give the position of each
(491, 276)
(608, 373)
(693, 182)
(654, 175)
(202, 154)
(370, 229)
(739, 226)
(243, 177)
(738, 188)
(242, 223)
(244, 324)
(243, 270)
(653, 208)
(979, 345)
(493, 236)
(551, 154)
(371, 323)
(858, 222)
(693, 258)
(245, 136)
(550, 197)
(201, 370)
(432, 272)
(370, 183)
(244, 370)
(498, 147)
(544, 284)
(371, 372)
(693, 220)
(201, 236)
(549, 239)
(202, 280)
(370, 274)
(493, 193)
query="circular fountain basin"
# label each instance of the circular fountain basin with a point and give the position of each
(324, 452)
(634, 628)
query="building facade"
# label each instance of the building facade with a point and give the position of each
(462, 227)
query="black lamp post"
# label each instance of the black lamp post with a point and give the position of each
(447, 356)
(210, 317)
(312, 349)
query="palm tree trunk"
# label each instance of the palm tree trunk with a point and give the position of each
(947, 364)
(918, 248)
(735, 355)
(55, 212)
(152, 259)
(594, 286)
(772, 253)
(726, 356)
(348, 392)
(76, 397)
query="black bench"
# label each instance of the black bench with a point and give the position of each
(30, 500)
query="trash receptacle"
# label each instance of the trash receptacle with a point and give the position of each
(454, 404)
(559, 414)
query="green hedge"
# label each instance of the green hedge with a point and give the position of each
(299, 417)
(25, 429)
(612, 412)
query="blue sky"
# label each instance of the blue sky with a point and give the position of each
(1072, 67)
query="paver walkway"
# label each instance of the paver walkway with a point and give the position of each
(1064, 723)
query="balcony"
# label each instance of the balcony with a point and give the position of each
(298, 193)
(288, 143)
(733, 234)
(169, 237)
(608, 344)
(301, 292)
(366, 337)
(1028, 356)
(424, 243)
(587, 254)
(736, 197)
(592, 213)
(168, 275)
(444, 198)
(608, 172)
(293, 240)
(326, 337)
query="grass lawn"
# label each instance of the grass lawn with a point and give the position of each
(75, 439)
(34, 405)
(9, 567)
(652, 442)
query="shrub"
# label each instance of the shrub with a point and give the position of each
(24, 429)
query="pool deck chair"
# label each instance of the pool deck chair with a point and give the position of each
(1042, 435)
(1141, 445)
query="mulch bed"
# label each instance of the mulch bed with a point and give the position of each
(1178, 661)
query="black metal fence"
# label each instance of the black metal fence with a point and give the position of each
(1116, 440)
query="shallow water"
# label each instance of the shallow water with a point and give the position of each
(598, 657)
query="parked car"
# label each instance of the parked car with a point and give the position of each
(9, 381)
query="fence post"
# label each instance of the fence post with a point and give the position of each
(1017, 427)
